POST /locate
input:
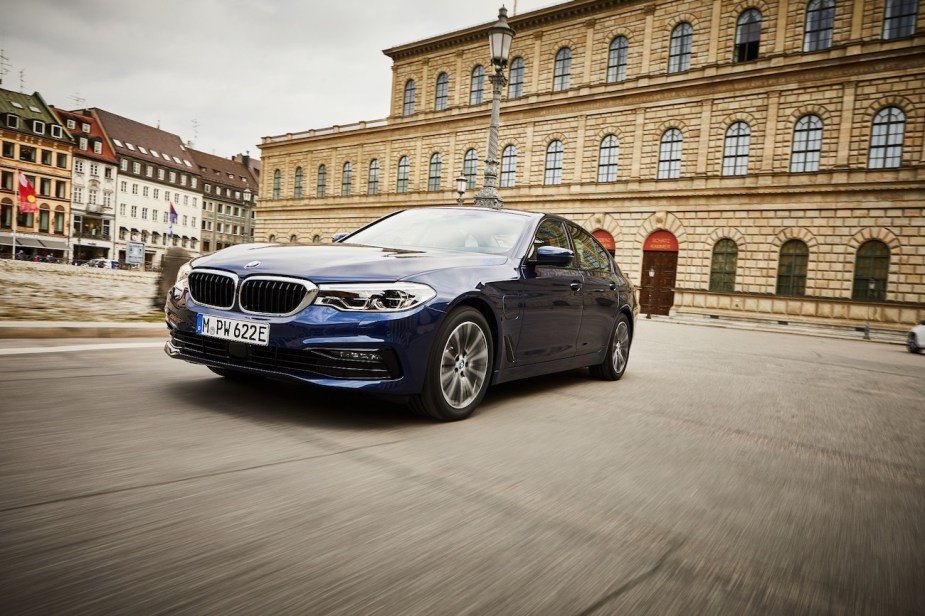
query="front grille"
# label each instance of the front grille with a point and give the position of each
(315, 362)
(275, 295)
(211, 288)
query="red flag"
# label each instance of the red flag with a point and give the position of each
(26, 195)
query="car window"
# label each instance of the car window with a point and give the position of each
(552, 233)
(591, 256)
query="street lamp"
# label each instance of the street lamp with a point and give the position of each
(461, 184)
(649, 307)
(871, 285)
(500, 36)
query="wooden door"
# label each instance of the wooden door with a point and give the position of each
(656, 293)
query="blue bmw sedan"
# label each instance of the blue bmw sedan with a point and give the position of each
(430, 304)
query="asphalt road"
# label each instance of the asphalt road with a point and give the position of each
(729, 472)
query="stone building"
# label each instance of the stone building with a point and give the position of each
(759, 159)
(94, 180)
(36, 144)
(229, 192)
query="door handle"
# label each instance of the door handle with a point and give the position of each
(576, 285)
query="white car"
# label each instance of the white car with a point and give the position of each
(915, 340)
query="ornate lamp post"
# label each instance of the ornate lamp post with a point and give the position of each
(500, 36)
(649, 307)
(461, 184)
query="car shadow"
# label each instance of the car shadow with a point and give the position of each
(303, 404)
(262, 400)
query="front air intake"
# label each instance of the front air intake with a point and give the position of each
(275, 295)
(212, 288)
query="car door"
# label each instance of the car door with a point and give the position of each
(549, 302)
(600, 293)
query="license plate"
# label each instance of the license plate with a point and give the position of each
(233, 329)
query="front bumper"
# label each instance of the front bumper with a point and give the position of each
(380, 352)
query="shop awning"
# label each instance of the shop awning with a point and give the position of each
(29, 242)
(54, 244)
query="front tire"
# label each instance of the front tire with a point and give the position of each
(618, 352)
(458, 368)
(912, 343)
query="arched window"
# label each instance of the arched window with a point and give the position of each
(277, 182)
(372, 183)
(404, 170)
(408, 103)
(434, 171)
(886, 139)
(470, 168)
(899, 18)
(316, 239)
(297, 191)
(553, 173)
(515, 84)
(748, 36)
(807, 144)
(562, 70)
(509, 166)
(735, 149)
(272, 238)
(442, 96)
(669, 155)
(616, 59)
(476, 85)
(871, 269)
(679, 49)
(791, 270)
(608, 154)
(322, 186)
(346, 180)
(293, 239)
(820, 22)
(723, 265)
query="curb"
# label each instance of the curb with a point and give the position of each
(64, 329)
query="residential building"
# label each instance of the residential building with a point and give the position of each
(753, 159)
(94, 183)
(156, 173)
(36, 144)
(229, 192)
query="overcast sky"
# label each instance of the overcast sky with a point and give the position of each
(224, 73)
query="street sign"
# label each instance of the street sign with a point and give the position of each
(135, 253)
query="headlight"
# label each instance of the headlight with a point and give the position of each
(182, 277)
(373, 297)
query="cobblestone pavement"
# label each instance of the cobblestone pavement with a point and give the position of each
(56, 292)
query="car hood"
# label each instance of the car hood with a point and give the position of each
(339, 262)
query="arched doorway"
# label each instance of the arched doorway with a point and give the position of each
(659, 269)
(606, 240)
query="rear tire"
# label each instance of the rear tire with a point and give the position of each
(618, 352)
(912, 343)
(458, 368)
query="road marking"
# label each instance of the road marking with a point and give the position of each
(82, 347)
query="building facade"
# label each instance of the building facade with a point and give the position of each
(759, 159)
(229, 193)
(94, 183)
(156, 173)
(35, 143)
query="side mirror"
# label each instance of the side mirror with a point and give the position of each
(553, 256)
(338, 237)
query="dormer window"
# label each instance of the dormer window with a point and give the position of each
(118, 143)
(130, 146)
(56, 131)
(98, 147)
(38, 127)
(12, 121)
(83, 143)
(71, 124)
(15, 104)
(85, 127)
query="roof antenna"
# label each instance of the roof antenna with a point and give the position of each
(4, 65)
(78, 100)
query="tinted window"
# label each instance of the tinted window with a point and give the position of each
(591, 256)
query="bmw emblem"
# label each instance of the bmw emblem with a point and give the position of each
(252, 264)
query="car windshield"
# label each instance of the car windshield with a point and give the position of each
(465, 230)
